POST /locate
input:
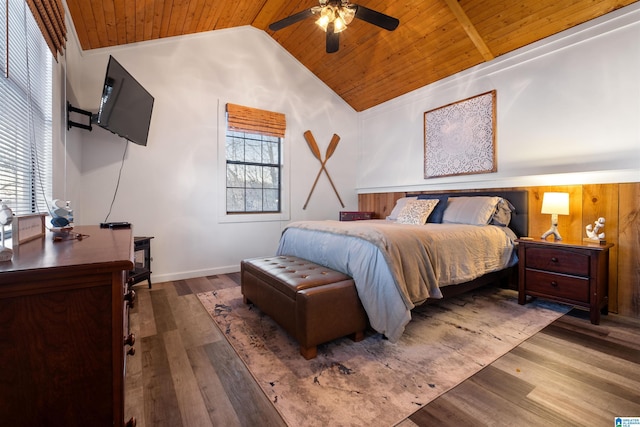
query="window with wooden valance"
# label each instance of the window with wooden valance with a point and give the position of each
(253, 120)
(49, 15)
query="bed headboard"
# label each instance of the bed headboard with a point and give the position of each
(518, 198)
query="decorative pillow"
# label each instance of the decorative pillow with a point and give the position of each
(502, 215)
(416, 211)
(474, 210)
(398, 207)
(438, 211)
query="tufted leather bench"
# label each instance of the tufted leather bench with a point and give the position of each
(314, 304)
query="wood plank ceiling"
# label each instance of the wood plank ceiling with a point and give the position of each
(435, 38)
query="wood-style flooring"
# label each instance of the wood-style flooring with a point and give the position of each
(185, 373)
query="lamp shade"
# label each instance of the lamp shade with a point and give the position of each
(555, 203)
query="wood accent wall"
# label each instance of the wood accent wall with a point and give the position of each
(619, 204)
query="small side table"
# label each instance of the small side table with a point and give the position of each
(575, 273)
(142, 266)
(355, 215)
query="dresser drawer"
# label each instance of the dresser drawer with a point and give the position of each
(557, 285)
(558, 260)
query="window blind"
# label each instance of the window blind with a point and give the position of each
(49, 16)
(253, 120)
(25, 111)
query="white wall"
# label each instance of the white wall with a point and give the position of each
(173, 189)
(568, 112)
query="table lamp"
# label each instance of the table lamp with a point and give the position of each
(555, 204)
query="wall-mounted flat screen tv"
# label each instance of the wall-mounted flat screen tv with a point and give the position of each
(125, 107)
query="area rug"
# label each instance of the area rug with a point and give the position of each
(374, 382)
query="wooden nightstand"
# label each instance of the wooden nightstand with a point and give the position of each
(575, 273)
(355, 215)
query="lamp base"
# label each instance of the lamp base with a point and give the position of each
(552, 231)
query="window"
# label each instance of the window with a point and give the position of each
(253, 160)
(25, 111)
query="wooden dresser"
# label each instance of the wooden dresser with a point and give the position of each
(64, 330)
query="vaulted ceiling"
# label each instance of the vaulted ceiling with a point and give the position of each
(435, 38)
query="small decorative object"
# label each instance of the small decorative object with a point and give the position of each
(61, 214)
(593, 231)
(6, 216)
(555, 204)
(311, 141)
(27, 227)
(459, 138)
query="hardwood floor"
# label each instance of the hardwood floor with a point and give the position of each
(185, 373)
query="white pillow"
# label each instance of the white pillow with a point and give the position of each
(398, 207)
(474, 210)
(416, 211)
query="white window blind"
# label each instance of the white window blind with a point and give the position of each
(25, 111)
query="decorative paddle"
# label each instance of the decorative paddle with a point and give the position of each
(313, 145)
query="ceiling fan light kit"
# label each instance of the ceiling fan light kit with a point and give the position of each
(335, 16)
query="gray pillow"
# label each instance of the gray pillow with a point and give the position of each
(474, 210)
(502, 215)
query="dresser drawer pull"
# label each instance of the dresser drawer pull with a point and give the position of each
(130, 297)
(554, 259)
(554, 284)
(130, 339)
(131, 351)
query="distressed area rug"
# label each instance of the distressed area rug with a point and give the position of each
(375, 382)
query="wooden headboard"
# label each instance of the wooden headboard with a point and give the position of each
(518, 198)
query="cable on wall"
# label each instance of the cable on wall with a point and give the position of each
(115, 193)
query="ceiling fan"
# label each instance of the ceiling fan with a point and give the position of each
(334, 16)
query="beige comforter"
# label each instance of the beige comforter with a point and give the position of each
(423, 258)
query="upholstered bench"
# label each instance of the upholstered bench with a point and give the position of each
(314, 304)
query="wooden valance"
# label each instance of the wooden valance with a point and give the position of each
(247, 119)
(49, 14)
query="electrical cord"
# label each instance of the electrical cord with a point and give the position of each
(117, 183)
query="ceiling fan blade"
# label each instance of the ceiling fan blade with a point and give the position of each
(333, 39)
(376, 18)
(290, 20)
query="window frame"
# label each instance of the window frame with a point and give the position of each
(234, 217)
(247, 138)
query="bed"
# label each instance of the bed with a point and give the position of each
(431, 246)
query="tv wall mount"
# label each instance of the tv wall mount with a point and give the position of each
(71, 123)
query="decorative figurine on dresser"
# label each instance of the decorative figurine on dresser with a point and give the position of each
(594, 232)
(64, 331)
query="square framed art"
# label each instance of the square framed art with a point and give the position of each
(460, 138)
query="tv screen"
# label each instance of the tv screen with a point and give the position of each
(125, 107)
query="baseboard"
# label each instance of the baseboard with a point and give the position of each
(183, 275)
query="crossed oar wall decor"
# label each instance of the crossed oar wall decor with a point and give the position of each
(316, 153)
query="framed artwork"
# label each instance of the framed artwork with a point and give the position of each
(460, 138)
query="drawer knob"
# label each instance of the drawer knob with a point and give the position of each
(130, 297)
(132, 422)
(554, 259)
(130, 339)
(131, 351)
(554, 284)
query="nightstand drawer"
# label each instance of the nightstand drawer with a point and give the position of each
(558, 260)
(560, 286)
(355, 216)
